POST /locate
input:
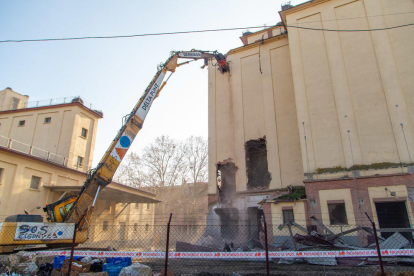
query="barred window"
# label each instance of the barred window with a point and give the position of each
(35, 183)
(48, 120)
(135, 227)
(79, 162)
(146, 227)
(84, 133)
(288, 216)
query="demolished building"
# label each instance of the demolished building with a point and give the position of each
(328, 111)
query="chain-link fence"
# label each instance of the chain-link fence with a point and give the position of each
(232, 249)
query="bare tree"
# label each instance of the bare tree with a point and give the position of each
(132, 172)
(164, 162)
(196, 158)
(167, 165)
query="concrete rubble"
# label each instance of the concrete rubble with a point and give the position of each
(136, 269)
(323, 240)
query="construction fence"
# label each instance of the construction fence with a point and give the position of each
(292, 249)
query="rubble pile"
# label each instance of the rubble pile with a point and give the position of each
(311, 240)
(30, 264)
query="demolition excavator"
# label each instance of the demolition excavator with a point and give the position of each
(73, 213)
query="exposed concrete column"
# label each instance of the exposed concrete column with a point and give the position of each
(390, 78)
(238, 124)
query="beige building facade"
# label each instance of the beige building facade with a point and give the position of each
(45, 153)
(325, 96)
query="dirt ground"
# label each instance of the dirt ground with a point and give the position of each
(194, 267)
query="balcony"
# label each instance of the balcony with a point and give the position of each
(15, 145)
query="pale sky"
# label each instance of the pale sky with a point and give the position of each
(113, 73)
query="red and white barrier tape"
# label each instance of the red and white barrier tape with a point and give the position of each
(235, 255)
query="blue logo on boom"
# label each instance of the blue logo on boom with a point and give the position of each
(125, 142)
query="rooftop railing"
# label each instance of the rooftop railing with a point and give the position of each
(49, 102)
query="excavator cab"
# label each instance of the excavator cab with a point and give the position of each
(57, 211)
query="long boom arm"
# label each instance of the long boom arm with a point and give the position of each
(102, 175)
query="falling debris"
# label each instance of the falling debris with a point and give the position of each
(256, 164)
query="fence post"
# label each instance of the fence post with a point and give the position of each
(266, 245)
(376, 242)
(167, 247)
(73, 249)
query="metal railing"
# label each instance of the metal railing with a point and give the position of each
(33, 151)
(49, 102)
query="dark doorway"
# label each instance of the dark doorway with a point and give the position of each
(255, 224)
(393, 215)
(229, 221)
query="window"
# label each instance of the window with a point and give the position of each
(1, 174)
(135, 227)
(48, 120)
(148, 206)
(146, 227)
(136, 204)
(84, 133)
(79, 163)
(35, 183)
(105, 225)
(288, 216)
(337, 214)
(68, 206)
(22, 123)
(15, 103)
(62, 212)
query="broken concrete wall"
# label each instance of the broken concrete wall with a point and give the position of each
(226, 181)
(257, 167)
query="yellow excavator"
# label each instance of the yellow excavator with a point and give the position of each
(73, 213)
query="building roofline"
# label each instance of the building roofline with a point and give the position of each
(133, 188)
(11, 90)
(299, 7)
(256, 44)
(52, 106)
(263, 31)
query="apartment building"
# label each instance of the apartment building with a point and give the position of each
(46, 149)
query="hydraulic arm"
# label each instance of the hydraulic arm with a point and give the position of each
(80, 210)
